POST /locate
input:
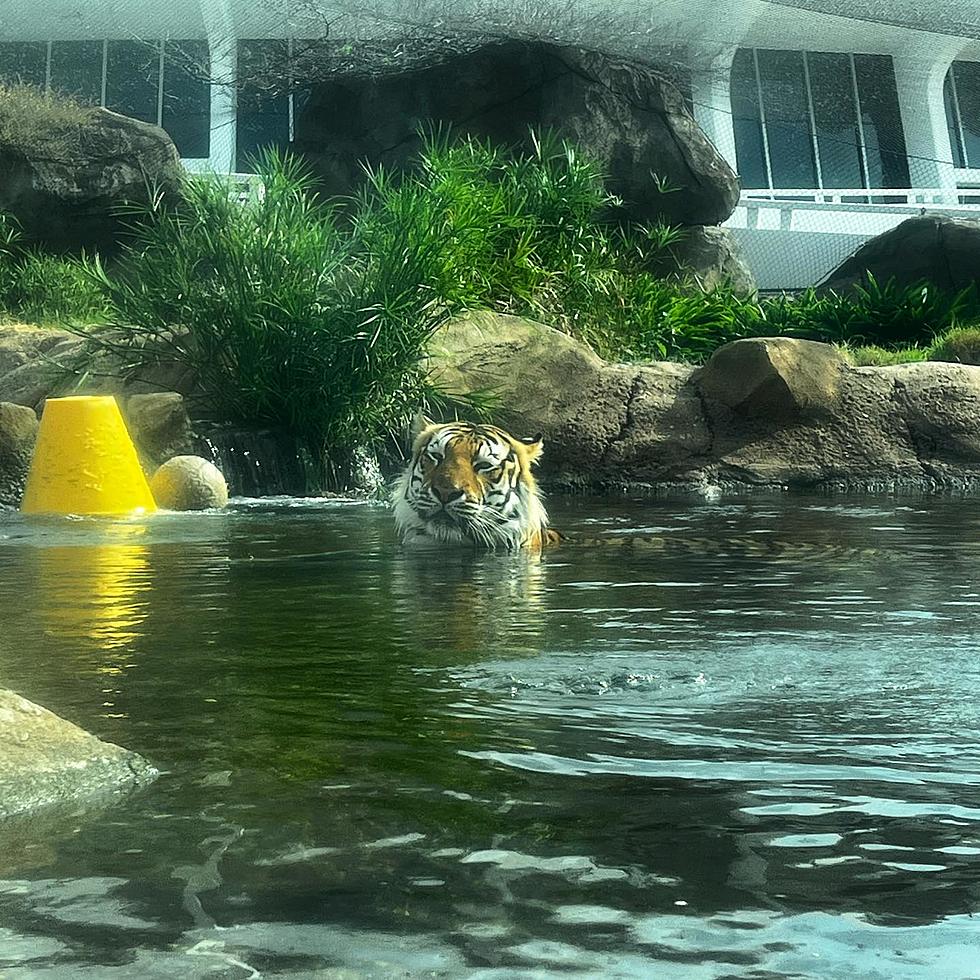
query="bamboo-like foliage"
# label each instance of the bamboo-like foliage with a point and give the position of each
(284, 313)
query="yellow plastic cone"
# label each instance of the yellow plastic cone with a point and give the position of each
(84, 461)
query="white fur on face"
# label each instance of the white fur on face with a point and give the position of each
(503, 513)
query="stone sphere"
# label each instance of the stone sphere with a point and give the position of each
(189, 483)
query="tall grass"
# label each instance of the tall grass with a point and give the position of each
(40, 288)
(531, 234)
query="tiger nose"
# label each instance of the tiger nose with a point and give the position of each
(446, 495)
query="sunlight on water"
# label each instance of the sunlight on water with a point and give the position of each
(704, 761)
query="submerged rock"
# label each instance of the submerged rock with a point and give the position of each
(45, 760)
(18, 432)
(189, 483)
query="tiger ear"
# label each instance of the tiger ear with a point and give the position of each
(534, 446)
(420, 422)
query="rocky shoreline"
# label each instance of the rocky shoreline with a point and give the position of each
(770, 414)
(766, 413)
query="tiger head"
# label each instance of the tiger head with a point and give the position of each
(471, 484)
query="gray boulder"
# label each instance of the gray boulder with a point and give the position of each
(714, 257)
(18, 431)
(603, 424)
(630, 119)
(944, 251)
(160, 426)
(45, 760)
(63, 183)
(41, 362)
(778, 378)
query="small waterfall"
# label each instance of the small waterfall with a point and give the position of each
(259, 462)
(269, 462)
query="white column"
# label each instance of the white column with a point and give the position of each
(223, 45)
(711, 92)
(927, 140)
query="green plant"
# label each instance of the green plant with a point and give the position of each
(961, 344)
(32, 119)
(43, 288)
(285, 315)
(880, 357)
(886, 315)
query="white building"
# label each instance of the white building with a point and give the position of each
(839, 126)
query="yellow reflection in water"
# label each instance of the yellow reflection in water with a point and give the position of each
(96, 592)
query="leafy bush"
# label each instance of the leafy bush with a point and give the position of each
(284, 314)
(530, 235)
(886, 315)
(961, 344)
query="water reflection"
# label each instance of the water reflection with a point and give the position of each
(708, 762)
(95, 592)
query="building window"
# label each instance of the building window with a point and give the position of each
(166, 83)
(963, 112)
(265, 104)
(24, 63)
(132, 79)
(78, 70)
(186, 103)
(807, 120)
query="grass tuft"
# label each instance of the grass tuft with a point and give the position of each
(34, 120)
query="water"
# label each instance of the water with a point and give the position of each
(686, 764)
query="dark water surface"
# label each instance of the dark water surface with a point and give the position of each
(696, 763)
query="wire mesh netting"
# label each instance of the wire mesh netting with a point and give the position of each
(841, 119)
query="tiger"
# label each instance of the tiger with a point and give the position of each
(471, 484)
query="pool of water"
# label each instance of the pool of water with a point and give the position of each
(723, 761)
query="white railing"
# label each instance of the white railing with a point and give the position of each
(794, 237)
(914, 197)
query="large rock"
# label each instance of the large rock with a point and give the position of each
(778, 378)
(45, 760)
(160, 426)
(64, 183)
(944, 251)
(630, 119)
(603, 424)
(18, 431)
(40, 362)
(768, 412)
(714, 257)
(940, 404)
(27, 362)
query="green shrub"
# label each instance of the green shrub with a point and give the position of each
(285, 314)
(961, 344)
(886, 315)
(43, 288)
(880, 357)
